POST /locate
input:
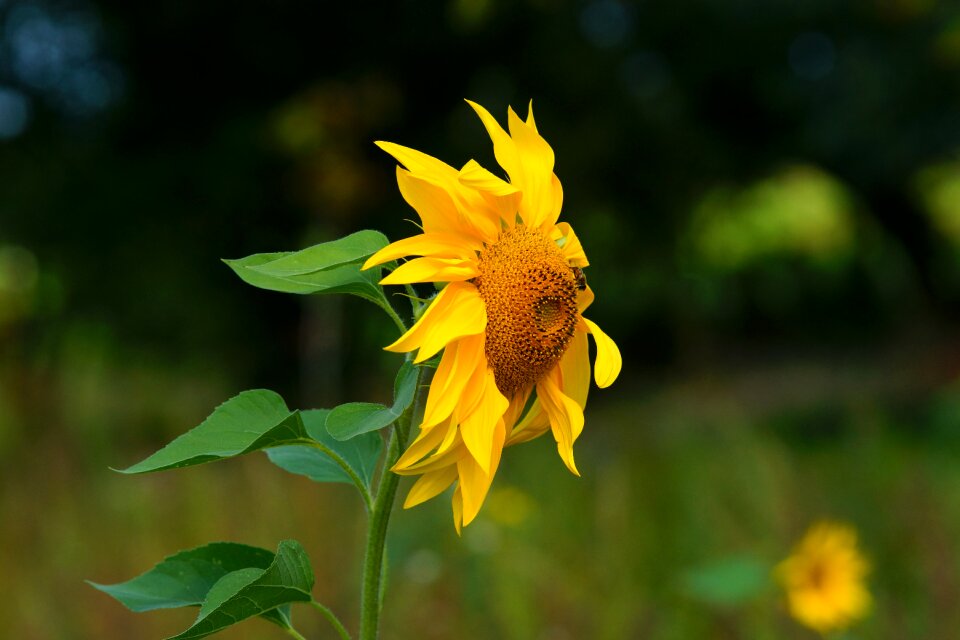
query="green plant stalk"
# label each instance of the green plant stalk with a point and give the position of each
(357, 482)
(293, 633)
(388, 308)
(376, 542)
(373, 564)
(332, 619)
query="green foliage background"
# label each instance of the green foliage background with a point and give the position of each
(770, 197)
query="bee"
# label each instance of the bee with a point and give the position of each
(580, 278)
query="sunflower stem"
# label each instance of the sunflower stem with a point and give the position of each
(386, 306)
(373, 561)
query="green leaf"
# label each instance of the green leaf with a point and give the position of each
(253, 591)
(344, 279)
(353, 248)
(186, 579)
(247, 422)
(359, 454)
(183, 579)
(354, 418)
(331, 267)
(728, 582)
(244, 267)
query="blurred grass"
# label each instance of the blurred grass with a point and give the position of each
(675, 476)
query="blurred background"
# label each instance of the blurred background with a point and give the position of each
(769, 193)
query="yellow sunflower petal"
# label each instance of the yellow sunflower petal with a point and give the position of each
(474, 480)
(430, 485)
(609, 362)
(457, 504)
(476, 177)
(572, 249)
(542, 195)
(472, 392)
(517, 404)
(432, 270)
(435, 447)
(478, 427)
(419, 162)
(433, 204)
(426, 441)
(432, 188)
(566, 418)
(530, 121)
(575, 373)
(555, 200)
(528, 160)
(440, 458)
(575, 366)
(535, 153)
(457, 365)
(499, 200)
(435, 245)
(457, 311)
(533, 425)
(504, 148)
(585, 299)
(452, 445)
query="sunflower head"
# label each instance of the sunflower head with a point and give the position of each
(824, 578)
(508, 318)
(530, 295)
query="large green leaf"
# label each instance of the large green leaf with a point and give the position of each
(353, 248)
(343, 279)
(331, 267)
(355, 418)
(253, 591)
(243, 267)
(327, 464)
(186, 578)
(247, 422)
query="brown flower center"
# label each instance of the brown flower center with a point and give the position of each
(530, 294)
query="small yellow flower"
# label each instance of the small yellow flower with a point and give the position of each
(509, 317)
(824, 578)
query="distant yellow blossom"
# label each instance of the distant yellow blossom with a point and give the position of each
(509, 317)
(824, 578)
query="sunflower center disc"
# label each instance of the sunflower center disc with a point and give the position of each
(530, 294)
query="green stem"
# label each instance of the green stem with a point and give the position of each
(378, 522)
(358, 483)
(332, 619)
(376, 539)
(294, 633)
(386, 306)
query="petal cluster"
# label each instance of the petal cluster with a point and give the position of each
(825, 578)
(465, 216)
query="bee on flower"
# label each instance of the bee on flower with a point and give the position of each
(825, 578)
(509, 317)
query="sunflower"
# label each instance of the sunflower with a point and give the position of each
(508, 317)
(824, 578)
